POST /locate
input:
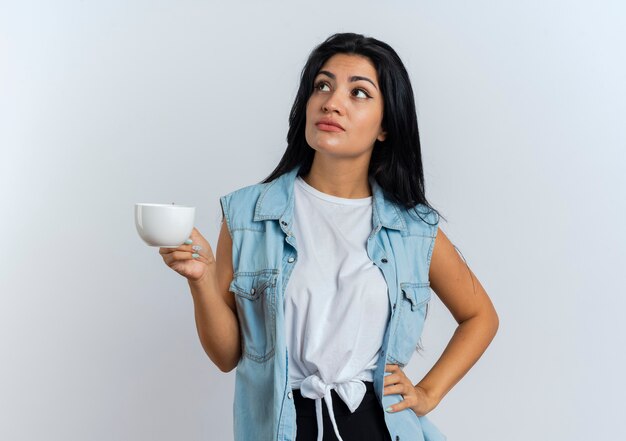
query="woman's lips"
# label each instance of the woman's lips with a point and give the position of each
(328, 128)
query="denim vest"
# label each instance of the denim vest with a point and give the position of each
(259, 218)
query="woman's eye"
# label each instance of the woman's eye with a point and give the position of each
(363, 92)
(321, 84)
(317, 86)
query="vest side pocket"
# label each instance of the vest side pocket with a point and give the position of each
(255, 297)
(409, 323)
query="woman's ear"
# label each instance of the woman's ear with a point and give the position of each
(382, 135)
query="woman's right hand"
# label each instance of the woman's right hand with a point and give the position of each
(181, 260)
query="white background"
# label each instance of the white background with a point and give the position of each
(104, 104)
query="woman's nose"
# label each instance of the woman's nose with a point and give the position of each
(333, 103)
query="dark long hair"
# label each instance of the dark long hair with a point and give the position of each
(396, 162)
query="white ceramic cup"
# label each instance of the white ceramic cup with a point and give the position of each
(164, 225)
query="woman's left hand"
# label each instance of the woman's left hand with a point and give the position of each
(415, 397)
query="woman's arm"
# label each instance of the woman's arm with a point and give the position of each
(215, 309)
(461, 292)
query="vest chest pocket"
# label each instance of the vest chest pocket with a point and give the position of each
(255, 296)
(411, 311)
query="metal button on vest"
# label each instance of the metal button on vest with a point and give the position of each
(289, 395)
(252, 291)
(290, 260)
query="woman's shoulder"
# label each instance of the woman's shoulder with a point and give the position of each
(239, 205)
(246, 192)
(420, 219)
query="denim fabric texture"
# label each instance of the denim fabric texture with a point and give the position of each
(259, 218)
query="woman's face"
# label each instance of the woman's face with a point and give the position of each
(345, 91)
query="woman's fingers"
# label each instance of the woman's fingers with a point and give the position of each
(178, 254)
(164, 251)
(195, 250)
(400, 389)
(187, 248)
(183, 255)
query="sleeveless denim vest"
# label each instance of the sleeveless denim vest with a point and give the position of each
(259, 218)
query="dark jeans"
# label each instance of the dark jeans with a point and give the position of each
(366, 423)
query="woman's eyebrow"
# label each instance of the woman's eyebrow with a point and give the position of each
(352, 78)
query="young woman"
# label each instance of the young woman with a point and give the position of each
(324, 270)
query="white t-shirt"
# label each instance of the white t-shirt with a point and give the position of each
(336, 301)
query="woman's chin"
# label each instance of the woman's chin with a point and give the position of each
(327, 148)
